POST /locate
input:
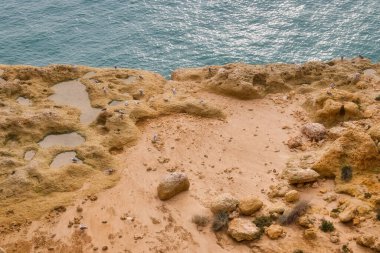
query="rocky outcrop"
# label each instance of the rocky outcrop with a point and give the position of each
(241, 229)
(369, 241)
(332, 106)
(355, 149)
(249, 205)
(172, 184)
(224, 202)
(299, 176)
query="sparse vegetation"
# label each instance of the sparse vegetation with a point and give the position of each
(292, 216)
(327, 226)
(367, 195)
(335, 210)
(220, 221)
(200, 220)
(346, 249)
(263, 221)
(346, 173)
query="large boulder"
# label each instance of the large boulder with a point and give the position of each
(314, 131)
(249, 205)
(224, 202)
(241, 229)
(355, 149)
(172, 184)
(299, 176)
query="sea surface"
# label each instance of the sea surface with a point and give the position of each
(163, 35)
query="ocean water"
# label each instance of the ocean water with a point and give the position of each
(162, 35)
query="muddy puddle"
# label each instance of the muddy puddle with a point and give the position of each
(73, 93)
(29, 155)
(65, 158)
(115, 102)
(67, 140)
(23, 101)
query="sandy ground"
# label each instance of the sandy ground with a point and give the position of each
(219, 156)
(242, 155)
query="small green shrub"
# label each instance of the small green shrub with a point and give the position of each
(335, 210)
(327, 226)
(263, 221)
(346, 173)
(367, 195)
(220, 221)
(200, 220)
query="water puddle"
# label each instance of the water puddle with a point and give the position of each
(130, 79)
(115, 102)
(89, 75)
(29, 155)
(65, 158)
(67, 140)
(23, 101)
(73, 93)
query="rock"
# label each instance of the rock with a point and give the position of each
(294, 142)
(224, 202)
(374, 132)
(292, 196)
(249, 205)
(298, 176)
(314, 131)
(330, 197)
(241, 229)
(277, 209)
(306, 221)
(366, 240)
(334, 238)
(274, 231)
(358, 149)
(352, 209)
(310, 233)
(2, 250)
(278, 190)
(104, 248)
(172, 184)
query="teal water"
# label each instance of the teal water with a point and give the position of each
(162, 35)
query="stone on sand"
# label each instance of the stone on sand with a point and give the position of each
(299, 176)
(249, 205)
(314, 131)
(172, 184)
(274, 231)
(292, 196)
(224, 202)
(241, 229)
